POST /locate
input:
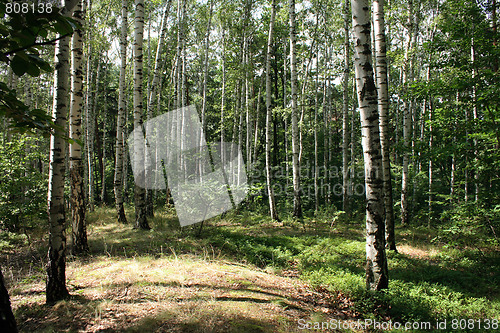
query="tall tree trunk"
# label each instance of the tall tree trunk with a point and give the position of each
(156, 72)
(475, 116)
(204, 89)
(256, 129)
(431, 142)
(494, 29)
(7, 320)
(383, 108)
(376, 263)
(103, 197)
(270, 192)
(325, 189)
(297, 205)
(90, 128)
(316, 164)
(345, 112)
(56, 267)
(183, 55)
(352, 170)
(79, 230)
(139, 192)
(151, 93)
(223, 96)
(406, 120)
(120, 121)
(178, 70)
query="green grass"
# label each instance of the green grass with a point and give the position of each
(429, 280)
(446, 283)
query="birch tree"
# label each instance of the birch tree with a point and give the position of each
(269, 115)
(345, 112)
(297, 206)
(139, 192)
(79, 230)
(56, 267)
(383, 110)
(376, 264)
(158, 62)
(120, 121)
(406, 119)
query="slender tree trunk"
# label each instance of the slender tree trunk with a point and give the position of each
(120, 121)
(297, 205)
(352, 170)
(56, 267)
(376, 263)
(475, 116)
(431, 142)
(179, 53)
(156, 72)
(325, 188)
(205, 68)
(270, 192)
(183, 56)
(256, 130)
(406, 120)
(248, 129)
(103, 197)
(223, 96)
(494, 29)
(201, 166)
(79, 230)
(345, 112)
(453, 159)
(316, 168)
(90, 128)
(95, 138)
(383, 108)
(151, 93)
(7, 320)
(139, 192)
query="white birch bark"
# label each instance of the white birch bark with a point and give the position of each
(383, 108)
(56, 266)
(406, 119)
(158, 62)
(120, 121)
(139, 192)
(270, 192)
(223, 96)
(316, 164)
(297, 205)
(475, 117)
(345, 112)
(79, 229)
(376, 264)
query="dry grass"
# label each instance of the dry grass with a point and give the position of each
(417, 253)
(164, 292)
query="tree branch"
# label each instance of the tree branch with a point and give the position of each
(49, 42)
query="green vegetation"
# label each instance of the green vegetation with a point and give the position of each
(318, 104)
(430, 280)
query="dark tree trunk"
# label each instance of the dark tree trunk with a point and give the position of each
(7, 320)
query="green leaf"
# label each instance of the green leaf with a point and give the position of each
(63, 26)
(33, 69)
(18, 65)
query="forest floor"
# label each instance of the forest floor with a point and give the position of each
(244, 273)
